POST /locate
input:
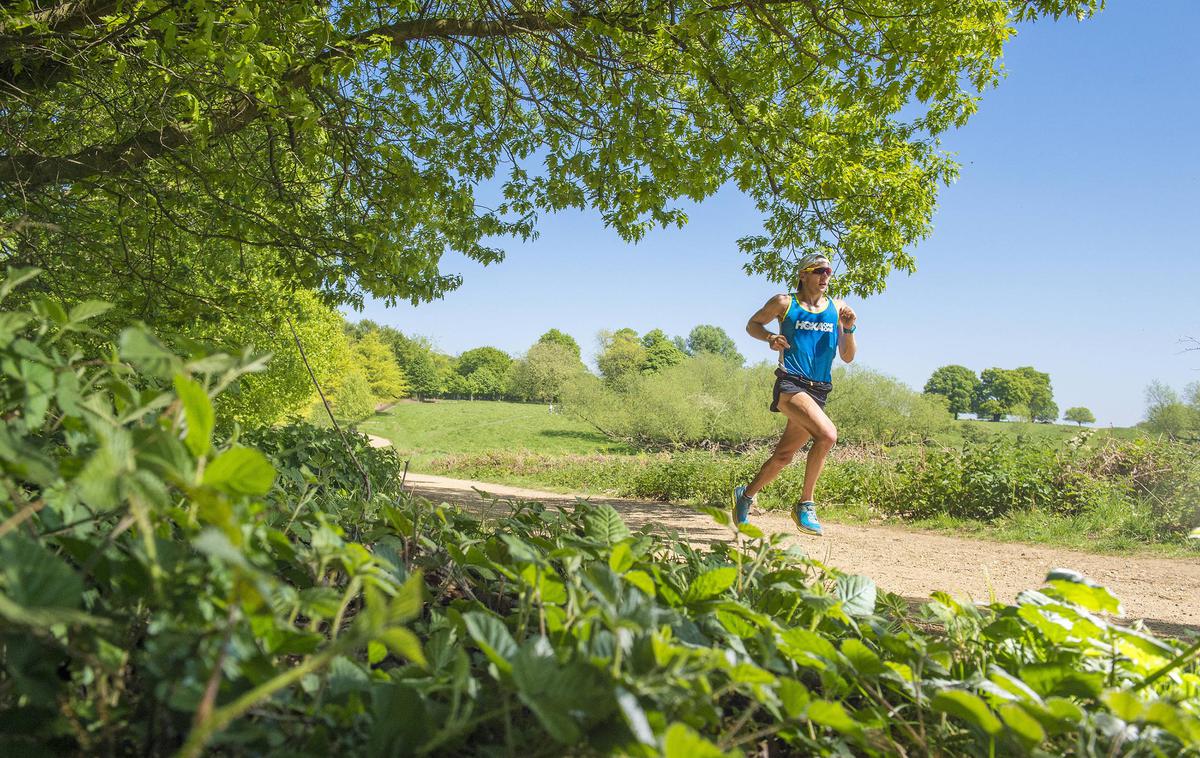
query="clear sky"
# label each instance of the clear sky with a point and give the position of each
(1069, 242)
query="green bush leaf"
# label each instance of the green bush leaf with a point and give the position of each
(794, 696)
(88, 309)
(968, 707)
(240, 470)
(621, 558)
(1026, 727)
(1090, 596)
(35, 578)
(603, 524)
(15, 277)
(146, 353)
(857, 594)
(710, 584)
(559, 694)
(635, 716)
(404, 643)
(834, 716)
(407, 603)
(492, 637)
(807, 648)
(681, 741)
(198, 412)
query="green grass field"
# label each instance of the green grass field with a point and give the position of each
(424, 431)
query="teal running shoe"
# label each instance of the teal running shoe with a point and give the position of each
(741, 506)
(805, 516)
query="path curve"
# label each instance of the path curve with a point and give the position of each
(1164, 591)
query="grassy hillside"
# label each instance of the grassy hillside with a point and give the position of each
(424, 431)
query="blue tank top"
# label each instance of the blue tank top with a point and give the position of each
(813, 340)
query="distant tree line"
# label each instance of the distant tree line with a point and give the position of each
(997, 393)
(383, 364)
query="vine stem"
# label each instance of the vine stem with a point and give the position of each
(345, 442)
(1174, 664)
(221, 718)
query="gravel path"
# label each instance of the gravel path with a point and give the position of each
(1164, 591)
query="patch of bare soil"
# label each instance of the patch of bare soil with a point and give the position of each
(1165, 592)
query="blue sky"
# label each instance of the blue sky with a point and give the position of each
(1069, 242)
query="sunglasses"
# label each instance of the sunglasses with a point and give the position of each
(822, 271)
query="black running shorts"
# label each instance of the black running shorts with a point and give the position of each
(786, 383)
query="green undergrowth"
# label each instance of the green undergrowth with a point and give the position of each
(167, 588)
(1100, 495)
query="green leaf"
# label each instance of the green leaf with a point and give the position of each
(1026, 727)
(376, 652)
(968, 707)
(10, 324)
(681, 741)
(1090, 596)
(710, 584)
(635, 716)
(198, 412)
(621, 558)
(146, 353)
(720, 515)
(1060, 679)
(807, 648)
(346, 676)
(603, 524)
(857, 594)
(404, 643)
(794, 696)
(88, 309)
(641, 580)
(1124, 704)
(240, 470)
(834, 716)
(14, 278)
(492, 637)
(559, 694)
(320, 602)
(751, 531)
(862, 657)
(35, 578)
(407, 603)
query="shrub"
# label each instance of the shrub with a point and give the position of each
(873, 408)
(354, 400)
(704, 402)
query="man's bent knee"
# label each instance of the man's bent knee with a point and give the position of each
(826, 438)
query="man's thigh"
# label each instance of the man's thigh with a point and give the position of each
(801, 408)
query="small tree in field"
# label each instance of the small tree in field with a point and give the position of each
(957, 384)
(1079, 415)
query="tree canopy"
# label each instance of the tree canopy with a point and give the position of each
(1079, 415)
(170, 157)
(957, 384)
(556, 337)
(707, 338)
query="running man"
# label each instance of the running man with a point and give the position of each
(812, 327)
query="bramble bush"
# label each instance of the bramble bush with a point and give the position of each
(983, 480)
(166, 591)
(707, 403)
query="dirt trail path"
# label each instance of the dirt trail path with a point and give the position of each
(1164, 591)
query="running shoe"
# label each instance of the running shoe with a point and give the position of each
(741, 506)
(805, 516)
